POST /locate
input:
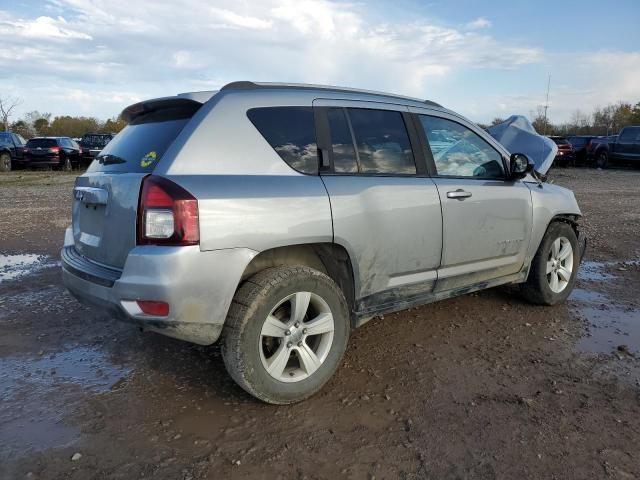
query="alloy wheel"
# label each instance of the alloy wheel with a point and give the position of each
(296, 337)
(559, 264)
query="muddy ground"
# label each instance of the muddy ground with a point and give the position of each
(482, 386)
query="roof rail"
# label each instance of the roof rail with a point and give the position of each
(247, 85)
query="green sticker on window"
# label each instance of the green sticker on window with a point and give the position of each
(148, 159)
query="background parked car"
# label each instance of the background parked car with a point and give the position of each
(581, 144)
(11, 150)
(564, 157)
(92, 144)
(56, 152)
(624, 147)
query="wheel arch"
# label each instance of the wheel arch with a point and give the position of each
(572, 219)
(331, 259)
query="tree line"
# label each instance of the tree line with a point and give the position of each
(608, 120)
(37, 124)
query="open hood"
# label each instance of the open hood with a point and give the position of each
(517, 135)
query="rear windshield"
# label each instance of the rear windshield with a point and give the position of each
(42, 143)
(95, 140)
(140, 145)
(578, 141)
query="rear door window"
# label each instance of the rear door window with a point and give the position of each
(343, 149)
(141, 144)
(291, 133)
(382, 142)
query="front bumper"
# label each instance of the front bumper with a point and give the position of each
(198, 286)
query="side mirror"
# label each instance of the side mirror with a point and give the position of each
(519, 166)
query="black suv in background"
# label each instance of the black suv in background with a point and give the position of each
(92, 144)
(11, 150)
(582, 147)
(55, 152)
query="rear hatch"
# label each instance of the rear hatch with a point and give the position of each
(106, 196)
(40, 148)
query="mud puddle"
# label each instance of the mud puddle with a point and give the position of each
(594, 271)
(16, 266)
(34, 395)
(611, 326)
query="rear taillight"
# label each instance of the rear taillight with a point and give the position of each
(54, 150)
(157, 309)
(167, 214)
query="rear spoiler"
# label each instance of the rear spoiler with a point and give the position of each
(130, 113)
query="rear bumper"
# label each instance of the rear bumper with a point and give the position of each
(42, 161)
(198, 286)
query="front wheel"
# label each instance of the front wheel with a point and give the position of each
(5, 162)
(285, 334)
(66, 165)
(554, 267)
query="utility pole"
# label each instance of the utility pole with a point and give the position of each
(546, 105)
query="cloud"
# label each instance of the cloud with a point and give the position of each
(159, 49)
(149, 49)
(41, 28)
(478, 24)
(233, 19)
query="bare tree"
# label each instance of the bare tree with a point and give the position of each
(7, 105)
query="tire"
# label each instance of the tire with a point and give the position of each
(5, 162)
(248, 352)
(602, 159)
(539, 287)
(66, 165)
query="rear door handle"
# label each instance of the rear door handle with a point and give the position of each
(459, 194)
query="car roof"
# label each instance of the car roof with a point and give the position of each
(204, 96)
(247, 85)
(48, 138)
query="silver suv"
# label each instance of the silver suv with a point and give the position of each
(278, 217)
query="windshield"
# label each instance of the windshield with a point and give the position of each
(42, 143)
(561, 141)
(95, 140)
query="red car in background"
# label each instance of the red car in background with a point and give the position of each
(565, 156)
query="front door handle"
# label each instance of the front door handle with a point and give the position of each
(459, 194)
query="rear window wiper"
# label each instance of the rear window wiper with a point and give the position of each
(109, 159)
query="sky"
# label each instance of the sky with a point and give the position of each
(482, 59)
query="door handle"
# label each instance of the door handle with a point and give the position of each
(459, 194)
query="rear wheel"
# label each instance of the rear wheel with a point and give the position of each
(5, 162)
(285, 334)
(602, 159)
(554, 267)
(66, 165)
